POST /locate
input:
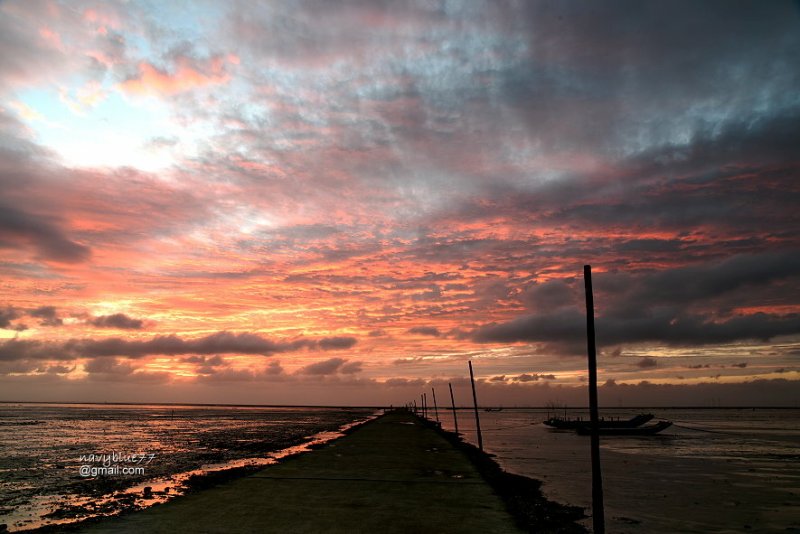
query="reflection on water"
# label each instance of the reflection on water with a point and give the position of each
(713, 470)
(156, 447)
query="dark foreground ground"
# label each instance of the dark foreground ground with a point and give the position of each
(396, 473)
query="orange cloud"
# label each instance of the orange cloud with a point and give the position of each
(186, 77)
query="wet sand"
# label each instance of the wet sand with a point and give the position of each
(393, 474)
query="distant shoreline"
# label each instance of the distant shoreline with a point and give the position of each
(380, 407)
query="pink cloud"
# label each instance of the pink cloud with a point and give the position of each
(185, 77)
(51, 37)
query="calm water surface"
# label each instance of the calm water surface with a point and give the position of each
(714, 470)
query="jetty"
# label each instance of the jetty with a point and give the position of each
(395, 473)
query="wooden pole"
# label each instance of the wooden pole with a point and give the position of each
(598, 513)
(475, 402)
(422, 402)
(453, 402)
(435, 407)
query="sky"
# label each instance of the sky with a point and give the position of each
(344, 202)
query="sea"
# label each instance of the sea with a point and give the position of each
(713, 470)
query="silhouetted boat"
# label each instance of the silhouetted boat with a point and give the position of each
(647, 430)
(493, 409)
(575, 424)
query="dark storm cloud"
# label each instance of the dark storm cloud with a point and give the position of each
(172, 345)
(684, 286)
(661, 326)
(649, 59)
(657, 306)
(117, 320)
(550, 295)
(18, 227)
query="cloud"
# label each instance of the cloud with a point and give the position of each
(660, 326)
(686, 305)
(425, 331)
(189, 74)
(7, 315)
(550, 295)
(404, 382)
(205, 360)
(647, 363)
(19, 228)
(273, 368)
(528, 377)
(117, 320)
(171, 345)
(350, 368)
(325, 367)
(59, 369)
(48, 316)
(336, 343)
(107, 365)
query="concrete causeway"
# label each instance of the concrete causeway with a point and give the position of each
(392, 474)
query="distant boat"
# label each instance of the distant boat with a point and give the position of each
(647, 430)
(493, 409)
(576, 424)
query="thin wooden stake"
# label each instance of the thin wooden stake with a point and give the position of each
(435, 407)
(475, 402)
(453, 402)
(598, 512)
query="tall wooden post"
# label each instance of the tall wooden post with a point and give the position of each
(422, 402)
(453, 402)
(475, 403)
(435, 406)
(598, 513)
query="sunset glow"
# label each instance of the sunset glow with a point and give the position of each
(342, 203)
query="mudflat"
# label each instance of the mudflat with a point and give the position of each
(392, 474)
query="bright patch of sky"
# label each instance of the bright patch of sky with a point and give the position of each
(115, 132)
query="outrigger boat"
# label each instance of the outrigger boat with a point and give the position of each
(647, 430)
(577, 424)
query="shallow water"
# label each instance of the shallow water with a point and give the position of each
(47, 449)
(714, 470)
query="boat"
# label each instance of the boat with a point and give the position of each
(574, 424)
(647, 430)
(494, 409)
